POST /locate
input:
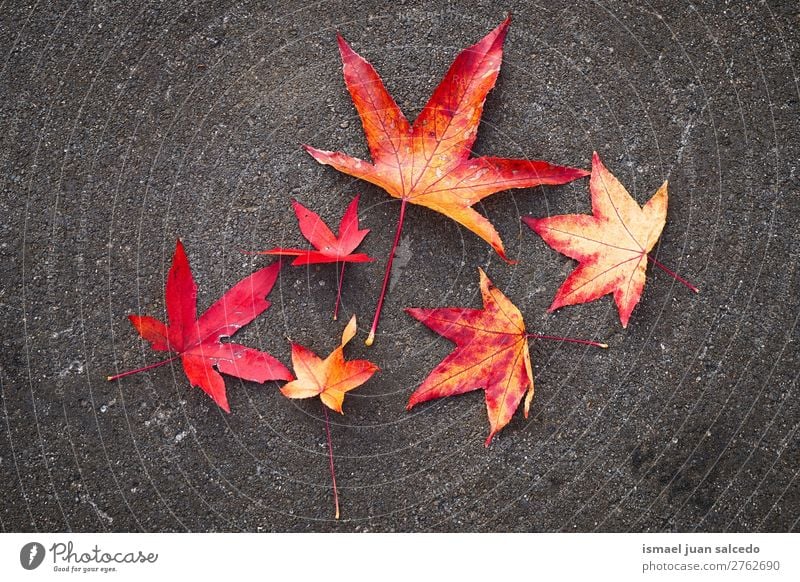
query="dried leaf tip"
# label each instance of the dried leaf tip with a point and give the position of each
(349, 331)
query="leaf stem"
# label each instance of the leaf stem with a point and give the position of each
(330, 457)
(371, 337)
(673, 275)
(150, 367)
(339, 293)
(567, 339)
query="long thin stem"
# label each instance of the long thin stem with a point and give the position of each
(567, 339)
(673, 275)
(330, 457)
(150, 367)
(338, 294)
(371, 337)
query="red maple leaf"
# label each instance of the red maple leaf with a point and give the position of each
(197, 340)
(491, 354)
(329, 247)
(428, 163)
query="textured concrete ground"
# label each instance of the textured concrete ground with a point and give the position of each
(126, 125)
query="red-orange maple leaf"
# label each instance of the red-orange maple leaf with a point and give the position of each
(328, 247)
(197, 340)
(428, 163)
(611, 244)
(491, 353)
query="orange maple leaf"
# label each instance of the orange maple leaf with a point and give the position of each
(428, 163)
(612, 244)
(330, 378)
(491, 353)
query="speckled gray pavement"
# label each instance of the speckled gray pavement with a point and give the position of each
(127, 125)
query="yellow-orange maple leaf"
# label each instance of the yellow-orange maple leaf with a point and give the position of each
(330, 378)
(611, 244)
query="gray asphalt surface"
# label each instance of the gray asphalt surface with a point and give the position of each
(126, 125)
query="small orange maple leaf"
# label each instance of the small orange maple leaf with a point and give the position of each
(330, 378)
(428, 163)
(491, 353)
(611, 244)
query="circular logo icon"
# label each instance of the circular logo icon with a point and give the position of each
(31, 555)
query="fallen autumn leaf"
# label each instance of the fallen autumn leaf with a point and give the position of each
(197, 341)
(611, 244)
(428, 163)
(328, 247)
(330, 379)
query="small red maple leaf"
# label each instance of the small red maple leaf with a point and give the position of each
(197, 340)
(329, 247)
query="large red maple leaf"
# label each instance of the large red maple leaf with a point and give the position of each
(197, 341)
(428, 163)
